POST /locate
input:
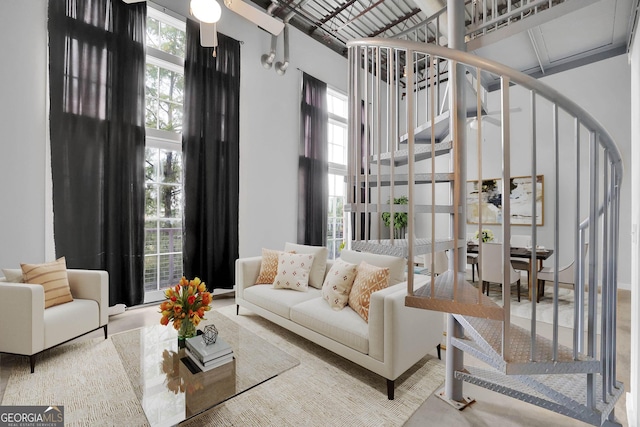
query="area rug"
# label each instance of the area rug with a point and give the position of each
(89, 380)
(544, 308)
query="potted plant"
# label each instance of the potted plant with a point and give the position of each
(400, 219)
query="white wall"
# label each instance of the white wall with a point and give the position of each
(602, 89)
(23, 120)
(269, 114)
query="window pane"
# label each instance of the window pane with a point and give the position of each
(151, 273)
(170, 85)
(150, 164)
(151, 200)
(170, 167)
(172, 40)
(153, 33)
(150, 237)
(170, 201)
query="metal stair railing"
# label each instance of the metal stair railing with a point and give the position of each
(384, 107)
(482, 16)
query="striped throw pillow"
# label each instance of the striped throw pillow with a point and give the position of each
(53, 278)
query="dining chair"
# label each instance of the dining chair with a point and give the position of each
(491, 265)
(472, 259)
(441, 262)
(566, 275)
(521, 241)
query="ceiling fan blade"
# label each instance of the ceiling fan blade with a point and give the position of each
(258, 17)
(133, 1)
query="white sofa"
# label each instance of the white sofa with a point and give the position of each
(33, 329)
(394, 339)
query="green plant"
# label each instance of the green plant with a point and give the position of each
(400, 219)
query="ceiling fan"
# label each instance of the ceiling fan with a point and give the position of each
(208, 12)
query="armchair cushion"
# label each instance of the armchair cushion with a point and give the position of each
(53, 278)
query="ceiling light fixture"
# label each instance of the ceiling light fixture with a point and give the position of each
(208, 11)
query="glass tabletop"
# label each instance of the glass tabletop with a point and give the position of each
(170, 391)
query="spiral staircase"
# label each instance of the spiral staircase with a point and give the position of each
(410, 104)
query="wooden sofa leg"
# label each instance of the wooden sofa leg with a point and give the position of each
(439, 347)
(105, 331)
(390, 389)
(237, 309)
(32, 362)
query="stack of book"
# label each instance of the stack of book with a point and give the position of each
(211, 356)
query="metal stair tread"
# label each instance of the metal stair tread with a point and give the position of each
(420, 152)
(373, 207)
(467, 299)
(403, 178)
(490, 331)
(400, 247)
(568, 391)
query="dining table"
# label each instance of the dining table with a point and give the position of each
(541, 255)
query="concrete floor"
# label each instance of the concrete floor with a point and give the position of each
(489, 409)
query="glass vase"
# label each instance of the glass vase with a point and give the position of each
(187, 330)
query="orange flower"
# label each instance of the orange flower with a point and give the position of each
(206, 298)
(177, 308)
(164, 320)
(176, 324)
(196, 319)
(201, 312)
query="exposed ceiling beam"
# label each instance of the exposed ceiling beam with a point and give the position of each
(392, 24)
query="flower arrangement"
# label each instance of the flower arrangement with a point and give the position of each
(185, 305)
(486, 235)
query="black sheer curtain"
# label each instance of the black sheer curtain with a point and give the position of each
(96, 74)
(313, 166)
(210, 145)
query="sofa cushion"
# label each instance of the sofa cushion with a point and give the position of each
(396, 265)
(268, 266)
(278, 301)
(316, 277)
(53, 278)
(293, 271)
(337, 285)
(368, 280)
(66, 321)
(344, 326)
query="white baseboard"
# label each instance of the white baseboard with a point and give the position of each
(117, 309)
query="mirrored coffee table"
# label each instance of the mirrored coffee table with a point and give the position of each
(171, 391)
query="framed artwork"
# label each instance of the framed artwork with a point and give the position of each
(521, 195)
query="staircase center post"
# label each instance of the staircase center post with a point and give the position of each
(456, 26)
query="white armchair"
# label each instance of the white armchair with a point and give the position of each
(34, 329)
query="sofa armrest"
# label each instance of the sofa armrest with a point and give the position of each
(247, 271)
(405, 334)
(93, 285)
(23, 303)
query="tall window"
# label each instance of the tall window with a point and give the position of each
(337, 140)
(164, 92)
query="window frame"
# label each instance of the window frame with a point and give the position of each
(162, 140)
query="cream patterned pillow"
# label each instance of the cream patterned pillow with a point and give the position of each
(337, 285)
(368, 280)
(293, 271)
(319, 267)
(53, 278)
(268, 267)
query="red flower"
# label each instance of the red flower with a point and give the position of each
(191, 299)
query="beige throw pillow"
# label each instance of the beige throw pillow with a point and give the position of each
(338, 283)
(319, 267)
(368, 280)
(293, 271)
(268, 267)
(53, 278)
